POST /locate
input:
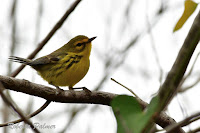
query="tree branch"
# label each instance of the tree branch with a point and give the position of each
(29, 116)
(175, 75)
(50, 94)
(17, 110)
(186, 121)
(70, 96)
(180, 87)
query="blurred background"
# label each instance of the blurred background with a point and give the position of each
(135, 45)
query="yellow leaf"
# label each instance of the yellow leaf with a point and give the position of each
(190, 7)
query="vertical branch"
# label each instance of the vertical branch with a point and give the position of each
(175, 75)
(180, 88)
(39, 11)
(29, 109)
(13, 32)
(149, 31)
(38, 21)
(73, 114)
(5, 112)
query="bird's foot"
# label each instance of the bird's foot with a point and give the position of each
(58, 90)
(86, 89)
(83, 88)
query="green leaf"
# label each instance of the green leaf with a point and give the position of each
(129, 114)
(190, 7)
(150, 112)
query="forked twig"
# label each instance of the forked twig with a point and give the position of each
(184, 122)
(189, 73)
(29, 116)
(17, 110)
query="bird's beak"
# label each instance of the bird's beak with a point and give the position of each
(91, 39)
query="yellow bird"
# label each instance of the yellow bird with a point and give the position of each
(66, 66)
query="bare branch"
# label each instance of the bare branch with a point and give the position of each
(195, 130)
(189, 87)
(29, 116)
(192, 67)
(73, 114)
(189, 73)
(17, 110)
(50, 94)
(186, 121)
(70, 96)
(156, 56)
(175, 75)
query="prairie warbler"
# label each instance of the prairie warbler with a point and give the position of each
(66, 66)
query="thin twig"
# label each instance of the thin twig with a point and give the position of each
(29, 116)
(191, 70)
(183, 110)
(125, 87)
(149, 31)
(195, 130)
(13, 20)
(189, 87)
(38, 21)
(17, 110)
(189, 73)
(185, 77)
(186, 121)
(73, 114)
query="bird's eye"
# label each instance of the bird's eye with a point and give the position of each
(78, 44)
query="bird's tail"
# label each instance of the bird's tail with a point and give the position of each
(20, 60)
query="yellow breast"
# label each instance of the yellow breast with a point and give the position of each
(67, 72)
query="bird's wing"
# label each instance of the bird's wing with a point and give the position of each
(49, 59)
